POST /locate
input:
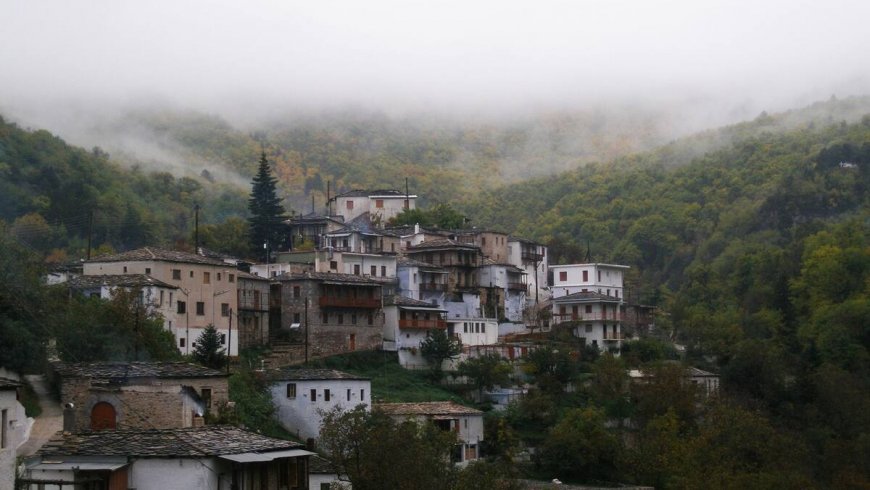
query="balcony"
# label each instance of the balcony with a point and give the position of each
(259, 302)
(530, 256)
(343, 302)
(517, 286)
(424, 324)
(588, 317)
(433, 287)
(613, 337)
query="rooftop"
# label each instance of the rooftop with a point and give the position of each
(373, 193)
(586, 296)
(215, 440)
(135, 370)
(426, 408)
(9, 384)
(120, 280)
(441, 243)
(396, 300)
(158, 254)
(331, 277)
(303, 374)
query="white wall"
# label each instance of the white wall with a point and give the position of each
(303, 417)
(17, 427)
(600, 278)
(475, 331)
(163, 474)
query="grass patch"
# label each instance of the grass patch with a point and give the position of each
(390, 381)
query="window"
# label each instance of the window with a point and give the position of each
(340, 318)
(200, 308)
(356, 269)
(348, 394)
(563, 276)
(313, 395)
(125, 269)
(349, 205)
(161, 298)
(483, 240)
(170, 299)
(379, 203)
(297, 291)
(225, 309)
(383, 271)
(483, 328)
(326, 395)
(599, 276)
(4, 416)
(333, 265)
(148, 270)
(223, 339)
(362, 395)
(181, 342)
(353, 318)
(588, 308)
(325, 486)
(589, 327)
(464, 327)
(231, 278)
(206, 277)
(182, 307)
(176, 274)
(219, 277)
(585, 276)
(291, 390)
(205, 394)
(191, 273)
(297, 318)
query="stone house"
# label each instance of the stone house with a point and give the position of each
(253, 312)
(145, 395)
(206, 289)
(196, 458)
(449, 416)
(302, 396)
(333, 313)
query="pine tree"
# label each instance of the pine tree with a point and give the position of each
(208, 350)
(267, 213)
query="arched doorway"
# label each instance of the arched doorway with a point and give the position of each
(102, 416)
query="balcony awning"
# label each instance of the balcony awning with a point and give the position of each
(267, 456)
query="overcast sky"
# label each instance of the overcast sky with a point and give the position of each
(417, 55)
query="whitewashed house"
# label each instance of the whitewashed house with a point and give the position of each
(407, 323)
(13, 431)
(156, 296)
(606, 279)
(382, 204)
(201, 458)
(302, 396)
(449, 416)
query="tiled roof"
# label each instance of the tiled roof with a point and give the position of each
(215, 440)
(441, 243)
(9, 384)
(397, 300)
(426, 408)
(303, 374)
(158, 254)
(122, 280)
(587, 296)
(135, 370)
(375, 192)
(319, 465)
(332, 277)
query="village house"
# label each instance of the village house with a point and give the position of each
(322, 476)
(461, 261)
(114, 395)
(197, 458)
(206, 291)
(381, 204)
(508, 283)
(154, 295)
(407, 323)
(706, 383)
(531, 257)
(308, 231)
(302, 396)
(334, 313)
(13, 428)
(420, 280)
(449, 416)
(253, 310)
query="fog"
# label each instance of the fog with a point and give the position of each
(65, 65)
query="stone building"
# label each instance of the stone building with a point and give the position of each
(148, 395)
(332, 313)
(253, 313)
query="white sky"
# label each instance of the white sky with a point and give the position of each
(430, 54)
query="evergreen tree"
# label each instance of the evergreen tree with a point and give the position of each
(208, 351)
(267, 213)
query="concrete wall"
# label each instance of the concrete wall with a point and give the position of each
(303, 415)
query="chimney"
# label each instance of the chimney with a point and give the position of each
(69, 417)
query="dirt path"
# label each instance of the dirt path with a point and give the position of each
(49, 422)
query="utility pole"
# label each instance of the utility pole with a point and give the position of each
(230, 341)
(90, 230)
(306, 330)
(407, 196)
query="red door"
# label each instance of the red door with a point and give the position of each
(102, 416)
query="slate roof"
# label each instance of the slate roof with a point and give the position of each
(215, 440)
(249, 276)
(332, 277)
(319, 465)
(408, 262)
(307, 374)
(118, 280)
(439, 243)
(9, 384)
(396, 300)
(588, 296)
(135, 370)
(509, 267)
(158, 254)
(375, 192)
(426, 408)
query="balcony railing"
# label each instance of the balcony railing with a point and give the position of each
(613, 337)
(256, 303)
(588, 317)
(411, 323)
(433, 287)
(517, 286)
(342, 302)
(531, 256)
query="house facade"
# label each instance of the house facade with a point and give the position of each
(12, 431)
(163, 395)
(407, 323)
(381, 204)
(156, 296)
(334, 313)
(302, 396)
(449, 416)
(594, 318)
(253, 310)
(532, 258)
(206, 289)
(200, 458)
